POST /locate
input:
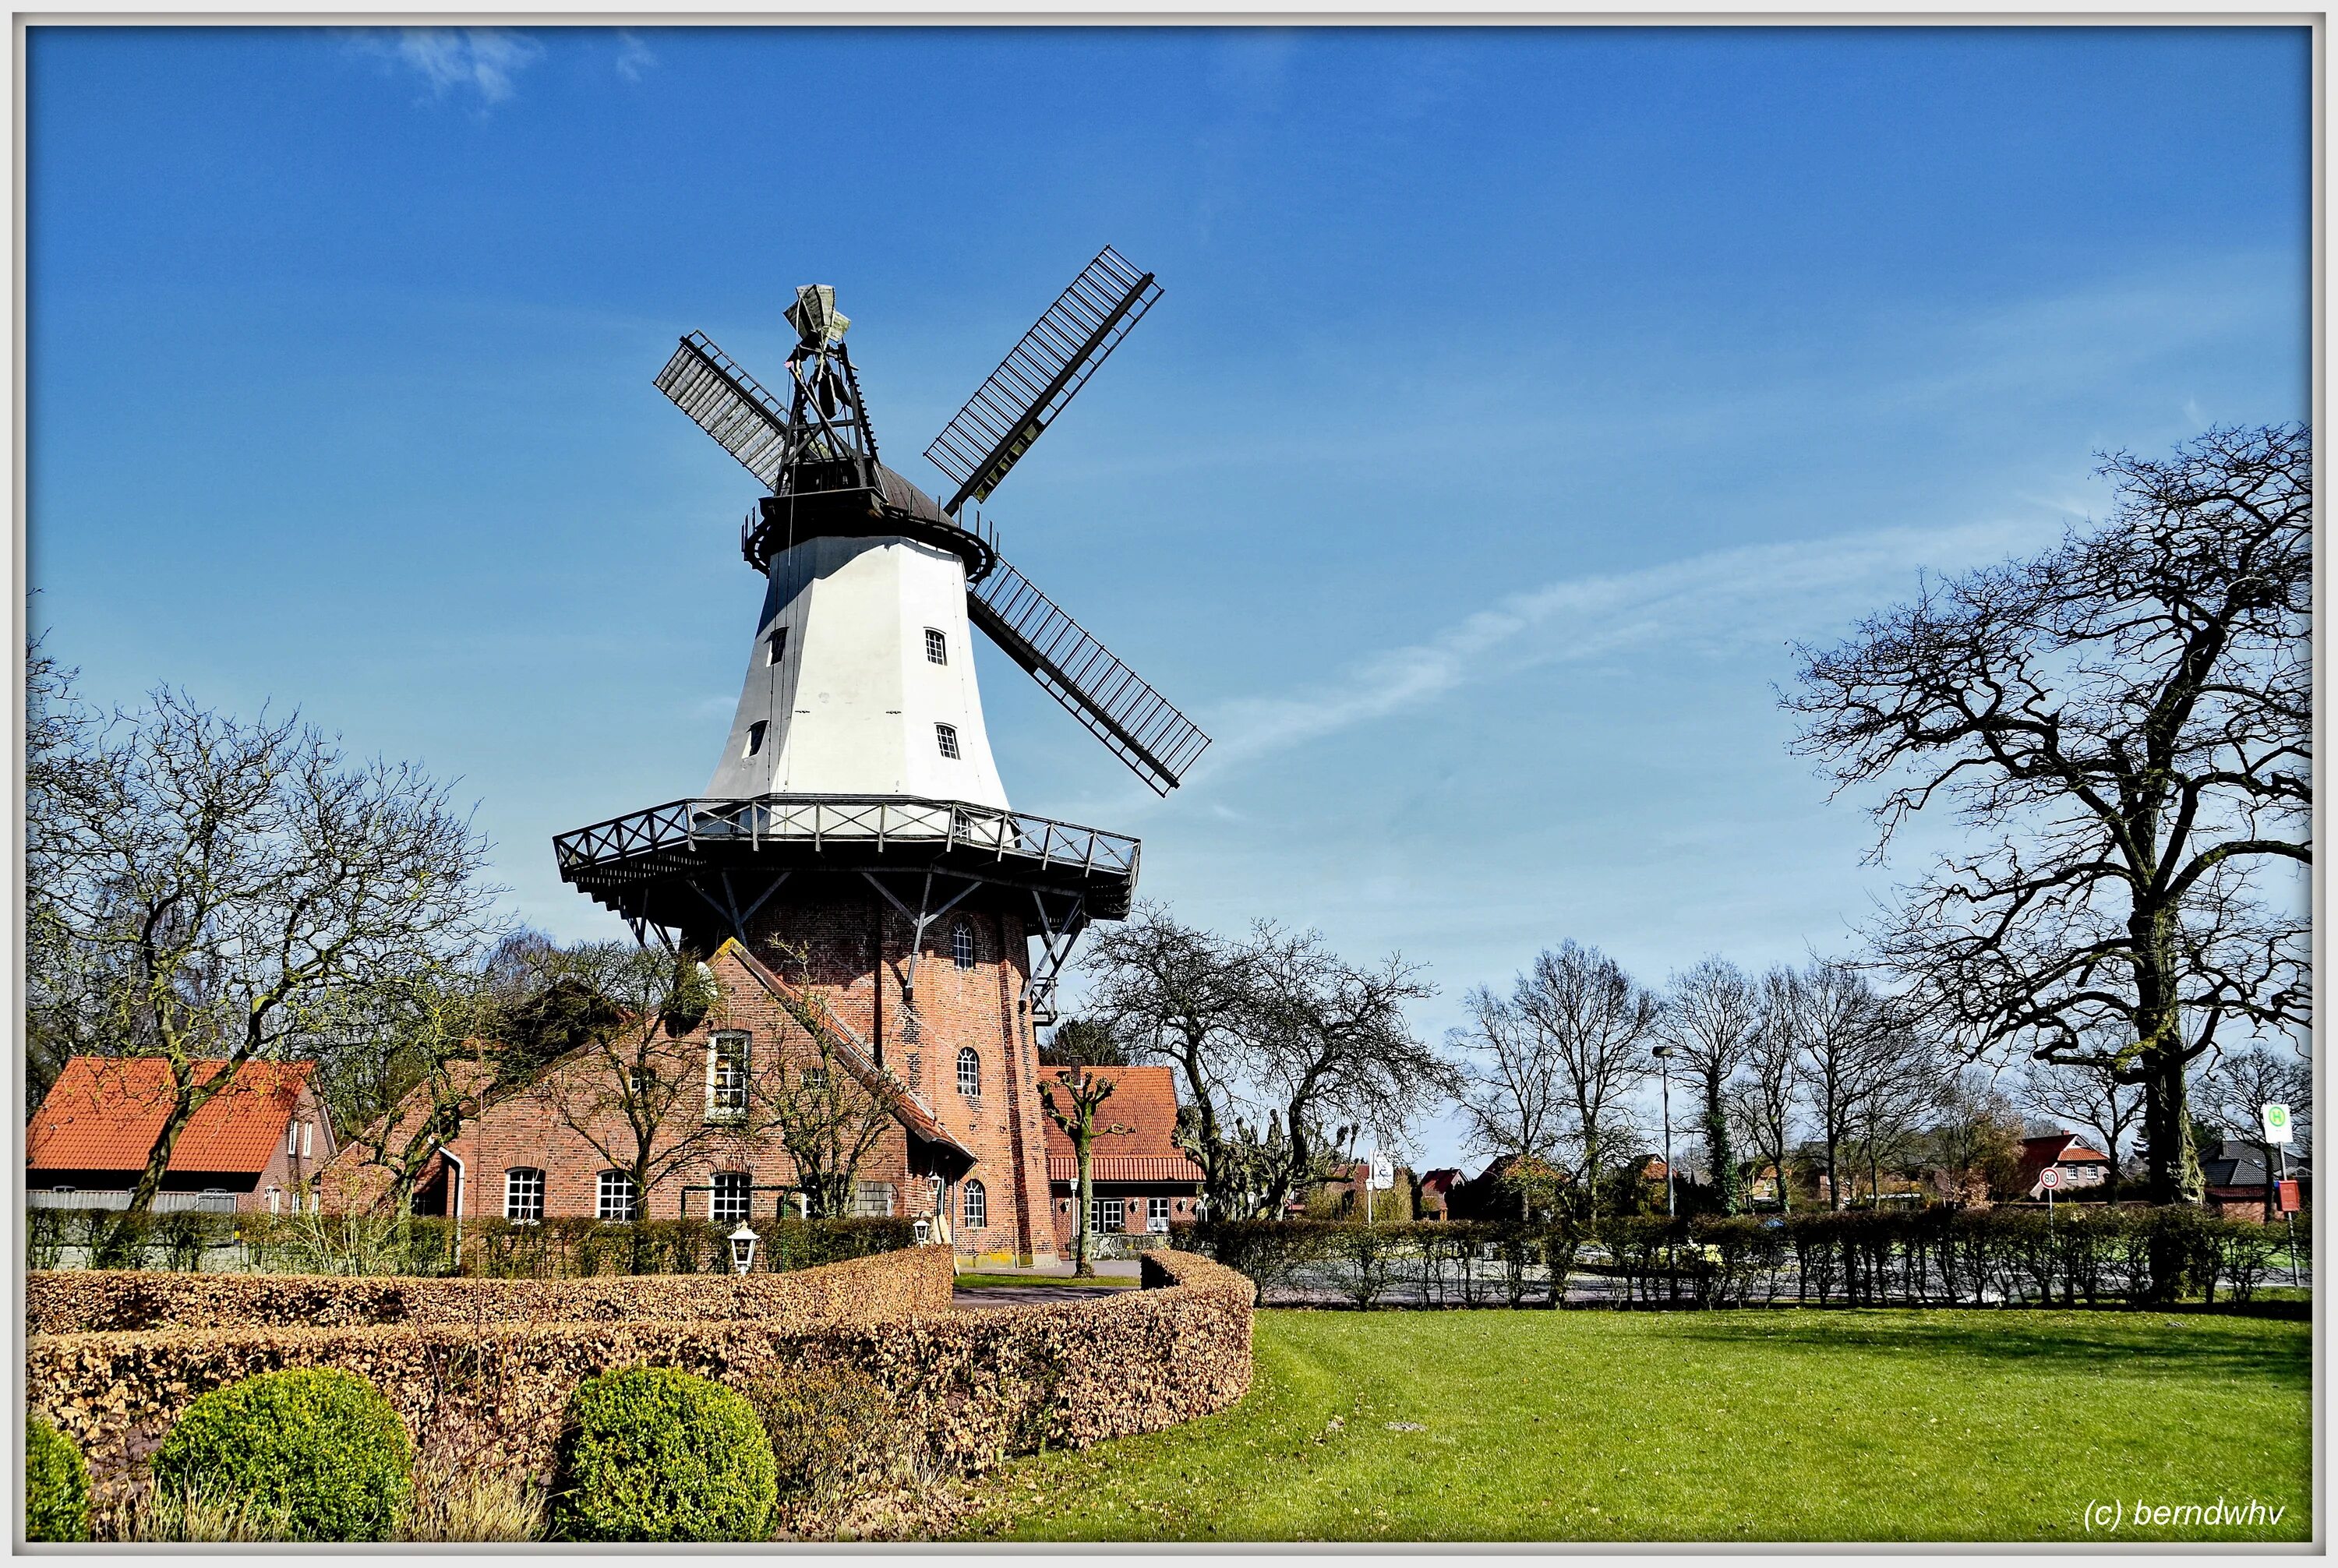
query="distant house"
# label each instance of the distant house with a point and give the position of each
(2236, 1174)
(1437, 1192)
(254, 1145)
(2065, 1152)
(1139, 1180)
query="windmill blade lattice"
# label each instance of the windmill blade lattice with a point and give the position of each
(729, 404)
(1039, 375)
(1116, 704)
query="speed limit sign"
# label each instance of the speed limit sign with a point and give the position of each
(2049, 1178)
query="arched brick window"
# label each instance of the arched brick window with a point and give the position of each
(524, 1195)
(977, 1205)
(969, 1072)
(962, 943)
(615, 1198)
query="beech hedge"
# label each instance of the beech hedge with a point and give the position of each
(493, 1248)
(974, 1385)
(2096, 1255)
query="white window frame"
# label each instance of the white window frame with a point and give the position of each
(726, 1100)
(726, 1186)
(936, 646)
(615, 1203)
(975, 1204)
(524, 1190)
(1101, 1209)
(946, 740)
(962, 945)
(1155, 1208)
(970, 1082)
(308, 1138)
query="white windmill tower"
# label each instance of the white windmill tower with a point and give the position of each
(857, 784)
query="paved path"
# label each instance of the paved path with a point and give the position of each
(982, 1296)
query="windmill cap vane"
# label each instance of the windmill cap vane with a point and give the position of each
(814, 316)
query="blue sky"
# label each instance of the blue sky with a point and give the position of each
(1516, 397)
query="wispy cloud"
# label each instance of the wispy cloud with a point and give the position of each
(462, 60)
(1713, 604)
(634, 56)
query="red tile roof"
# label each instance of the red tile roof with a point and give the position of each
(1124, 1168)
(1143, 1099)
(105, 1113)
(2060, 1149)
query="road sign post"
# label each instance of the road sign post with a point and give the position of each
(2050, 1179)
(2278, 1131)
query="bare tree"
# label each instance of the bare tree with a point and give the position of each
(1977, 1139)
(1764, 1103)
(1176, 994)
(1327, 1038)
(1083, 1043)
(2236, 1085)
(1511, 1094)
(1085, 1092)
(60, 1021)
(2086, 1094)
(1849, 1044)
(214, 884)
(402, 1064)
(1598, 1023)
(1710, 1017)
(2126, 722)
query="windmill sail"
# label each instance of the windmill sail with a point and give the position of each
(1112, 699)
(728, 405)
(1039, 375)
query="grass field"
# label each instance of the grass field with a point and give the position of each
(1834, 1426)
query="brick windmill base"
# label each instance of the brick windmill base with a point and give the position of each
(915, 920)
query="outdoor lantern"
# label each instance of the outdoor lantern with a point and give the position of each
(921, 1230)
(742, 1248)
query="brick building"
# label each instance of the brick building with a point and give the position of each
(962, 1150)
(2067, 1154)
(254, 1145)
(1139, 1180)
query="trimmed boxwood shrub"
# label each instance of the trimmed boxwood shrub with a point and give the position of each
(319, 1450)
(656, 1453)
(56, 1485)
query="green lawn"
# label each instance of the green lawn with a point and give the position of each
(1757, 1426)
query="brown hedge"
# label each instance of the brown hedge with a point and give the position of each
(78, 1300)
(979, 1383)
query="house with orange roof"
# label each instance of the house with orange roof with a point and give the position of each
(2067, 1155)
(1140, 1181)
(256, 1144)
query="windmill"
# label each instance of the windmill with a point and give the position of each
(817, 454)
(856, 790)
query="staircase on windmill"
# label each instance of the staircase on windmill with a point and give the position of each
(855, 815)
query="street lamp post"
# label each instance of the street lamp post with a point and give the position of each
(1665, 1077)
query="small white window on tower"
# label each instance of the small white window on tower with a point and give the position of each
(775, 646)
(308, 1139)
(755, 737)
(945, 735)
(937, 647)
